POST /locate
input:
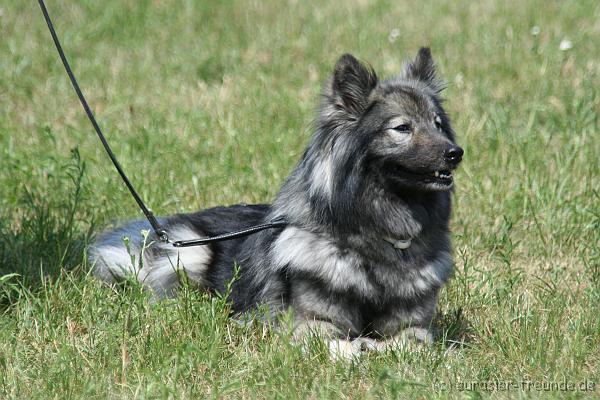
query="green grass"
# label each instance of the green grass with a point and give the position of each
(209, 104)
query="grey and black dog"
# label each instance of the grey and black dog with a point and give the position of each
(367, 247)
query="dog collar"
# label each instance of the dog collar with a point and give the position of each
(401, 244)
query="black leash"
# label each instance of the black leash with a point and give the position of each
(274, 223)
(161, 233)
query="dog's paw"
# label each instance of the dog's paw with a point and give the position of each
(368, 344)
(407, 338)
(344, 350)
(421, 335)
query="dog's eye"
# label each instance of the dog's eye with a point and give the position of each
(402, 128)
(438, 122)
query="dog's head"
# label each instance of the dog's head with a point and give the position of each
(399, 131)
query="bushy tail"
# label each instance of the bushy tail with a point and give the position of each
(133, 251)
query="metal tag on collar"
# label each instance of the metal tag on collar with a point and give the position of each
(401, 244)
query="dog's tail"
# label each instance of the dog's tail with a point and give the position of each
(133, 251)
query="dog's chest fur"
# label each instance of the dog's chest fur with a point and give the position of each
(341, 283)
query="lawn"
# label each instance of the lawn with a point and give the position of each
(210, 103)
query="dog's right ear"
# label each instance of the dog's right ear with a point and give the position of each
(352, 84)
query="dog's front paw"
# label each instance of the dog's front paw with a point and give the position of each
(408, 337)
(415, 333)
(368, 344)
(344, 350)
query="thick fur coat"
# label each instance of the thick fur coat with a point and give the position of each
(367, 246)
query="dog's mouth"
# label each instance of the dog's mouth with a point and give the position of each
(440, 178)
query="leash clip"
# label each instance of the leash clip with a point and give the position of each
(162, 235)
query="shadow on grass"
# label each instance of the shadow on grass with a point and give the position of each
(454, 329)
(45, 234)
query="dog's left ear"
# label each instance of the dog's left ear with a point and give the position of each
(423, 69)
(352, 84)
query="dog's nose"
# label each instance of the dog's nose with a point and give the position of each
(454, 155)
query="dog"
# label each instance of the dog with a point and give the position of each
(366, 248)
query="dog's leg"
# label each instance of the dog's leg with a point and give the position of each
(340, 346)
(406, 338)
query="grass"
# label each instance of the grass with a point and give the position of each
(210, 103)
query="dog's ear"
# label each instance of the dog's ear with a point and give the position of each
(352, 84)
(423, 69)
